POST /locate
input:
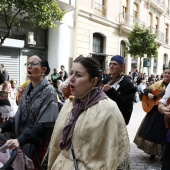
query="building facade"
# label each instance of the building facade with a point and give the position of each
(95, 28)
(103, 27)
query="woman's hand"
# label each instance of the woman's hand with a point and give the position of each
(12, 144)
(151, 96)
(166, 111)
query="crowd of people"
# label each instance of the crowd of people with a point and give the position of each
(142, 81)
(85, 129)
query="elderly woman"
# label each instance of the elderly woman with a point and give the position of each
(36, 115)
(90, 132)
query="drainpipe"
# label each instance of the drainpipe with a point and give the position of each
(75, 30)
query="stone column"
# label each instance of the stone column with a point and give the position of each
(128, 64)
(151, 66)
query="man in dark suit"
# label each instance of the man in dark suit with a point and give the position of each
(65, 72)
(119, 88)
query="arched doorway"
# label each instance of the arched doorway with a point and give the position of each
(98, 49)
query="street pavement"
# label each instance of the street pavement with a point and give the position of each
(139, 159)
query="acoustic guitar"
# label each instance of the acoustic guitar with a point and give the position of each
(148, 103)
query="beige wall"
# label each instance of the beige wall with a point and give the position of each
(109, 26)
(85, 31)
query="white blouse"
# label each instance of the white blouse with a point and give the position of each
(166, 95)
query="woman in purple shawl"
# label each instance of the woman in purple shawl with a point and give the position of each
(90, 132)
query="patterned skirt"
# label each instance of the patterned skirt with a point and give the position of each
(151, 136)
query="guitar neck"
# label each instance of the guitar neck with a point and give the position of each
(159, 95)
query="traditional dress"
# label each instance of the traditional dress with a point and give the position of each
(151, 136)
(100, 139)
(34, 120)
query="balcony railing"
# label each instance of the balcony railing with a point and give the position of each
(167, 11)
(158, 5)
(129, 20)
(161, 3)
(100, 10)
(159, 34)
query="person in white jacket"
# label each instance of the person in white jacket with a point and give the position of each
(141, 87)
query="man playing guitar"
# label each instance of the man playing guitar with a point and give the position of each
(119, 88)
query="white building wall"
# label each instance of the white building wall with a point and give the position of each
(60, 43)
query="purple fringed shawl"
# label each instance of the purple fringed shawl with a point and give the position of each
(94, 96)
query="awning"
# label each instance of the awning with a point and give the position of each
(13, 43)
(100, 54)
